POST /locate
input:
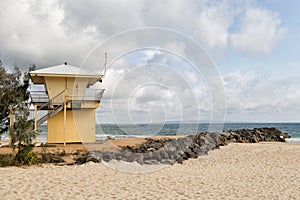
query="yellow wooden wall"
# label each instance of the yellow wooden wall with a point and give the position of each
(80, 126)
(55, 85)
(80, 123)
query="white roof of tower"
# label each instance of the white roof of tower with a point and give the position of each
(64, 70)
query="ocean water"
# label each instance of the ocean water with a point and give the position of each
(181, 129)
(142, 130)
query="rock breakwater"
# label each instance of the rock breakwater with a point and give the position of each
(170, 151)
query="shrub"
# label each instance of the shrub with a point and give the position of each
(26, 156)
(7, 160)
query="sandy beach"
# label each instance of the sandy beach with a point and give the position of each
(236, 171)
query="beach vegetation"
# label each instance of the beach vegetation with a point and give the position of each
(7, 160)
(14, 96)
(13, 89)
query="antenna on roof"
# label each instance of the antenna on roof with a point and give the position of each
(105, 63)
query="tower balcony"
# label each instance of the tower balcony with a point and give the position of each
(74, 98)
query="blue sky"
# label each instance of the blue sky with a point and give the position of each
(254, 45)
(284, 57)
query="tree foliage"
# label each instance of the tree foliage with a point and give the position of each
(13, 88)
(14, 93)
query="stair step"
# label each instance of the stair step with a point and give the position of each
(46, 117)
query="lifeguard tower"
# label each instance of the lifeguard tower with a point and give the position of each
(69, 103)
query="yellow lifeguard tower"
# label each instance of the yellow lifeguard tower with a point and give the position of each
(69, 101)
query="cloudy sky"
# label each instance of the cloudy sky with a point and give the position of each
(168, 60)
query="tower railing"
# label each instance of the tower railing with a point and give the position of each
(72, 94)
(86, 94)
(39, 96)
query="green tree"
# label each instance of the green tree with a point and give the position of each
(21, 137)
(14, 93)
(13, 88)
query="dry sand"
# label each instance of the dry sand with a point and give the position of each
(237, 171)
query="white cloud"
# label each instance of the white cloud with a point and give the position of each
(150, 92)
(259, 31)
(212, 25)
(50, 32)
(255, 97)
(32, 33)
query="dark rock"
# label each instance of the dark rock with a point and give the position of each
(140, 159)
(164, 155)
(92, 159)
(191, 154)
(156, 156)
(169, 148)
(147, 156)
(108, 156)
(56, 160)
(226, 134)
(180, 160)
(134, 157)
(173, 155)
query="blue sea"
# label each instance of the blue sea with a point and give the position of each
(142, 130)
